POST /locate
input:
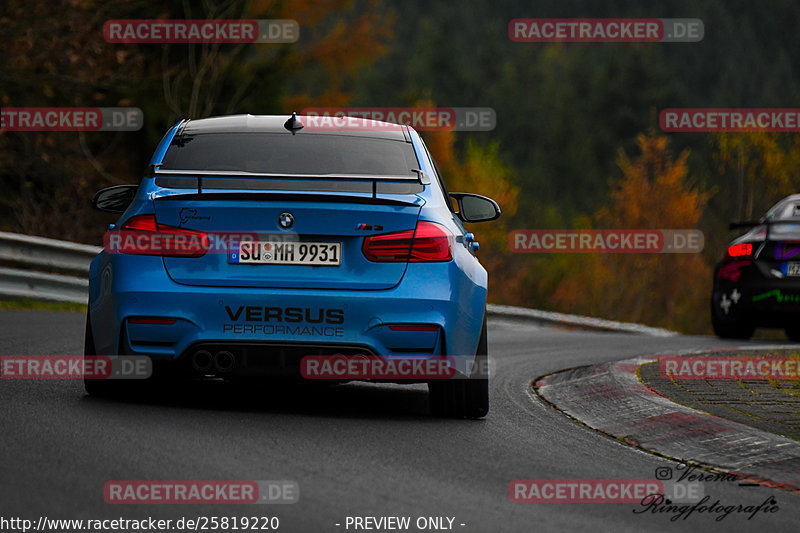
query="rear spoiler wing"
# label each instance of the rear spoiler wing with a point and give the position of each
(743, 225)
(214, 179)
(752, 224)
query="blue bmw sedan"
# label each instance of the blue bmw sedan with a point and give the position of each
(257, 245)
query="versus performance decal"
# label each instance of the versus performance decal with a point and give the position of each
(274, 321)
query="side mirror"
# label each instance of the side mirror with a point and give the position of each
(475, 208)
(114, 199)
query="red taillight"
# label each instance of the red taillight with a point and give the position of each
(740, 250)
(142, 235)
(388, 247)
(429, 242)
(141, 222)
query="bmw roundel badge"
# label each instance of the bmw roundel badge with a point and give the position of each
(286, 220)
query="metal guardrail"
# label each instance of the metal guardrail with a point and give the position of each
(551, 318)
(44, 269)
(60, 258)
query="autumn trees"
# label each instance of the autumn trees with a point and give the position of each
(567, 152)
(655, 192)
(56, 56)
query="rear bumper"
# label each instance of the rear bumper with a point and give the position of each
(264, 325)
(760, 300)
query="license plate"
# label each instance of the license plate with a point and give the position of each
(793, 269)
(286, 253)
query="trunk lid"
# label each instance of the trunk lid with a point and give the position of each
(314, 219)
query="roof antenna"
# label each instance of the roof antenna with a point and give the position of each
(293, 124)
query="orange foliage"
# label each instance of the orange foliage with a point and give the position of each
(669, 290)
(762, 167)
(338, 39)
(440, 144)
(479, 170)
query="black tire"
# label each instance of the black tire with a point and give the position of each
(464, 398)
(93, 387)
(728, 327)
(793, 332)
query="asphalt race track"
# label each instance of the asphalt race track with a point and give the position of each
(354, 450)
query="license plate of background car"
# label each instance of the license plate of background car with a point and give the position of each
(792, 269)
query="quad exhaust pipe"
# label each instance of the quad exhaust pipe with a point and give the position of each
(224, 362)
(203, 361)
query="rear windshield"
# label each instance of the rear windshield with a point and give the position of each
(277, 153)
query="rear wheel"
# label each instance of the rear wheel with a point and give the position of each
(94, 387)
(734, 329)
(103, 387)
(793, 332)
(464, 398)
(728, 326)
